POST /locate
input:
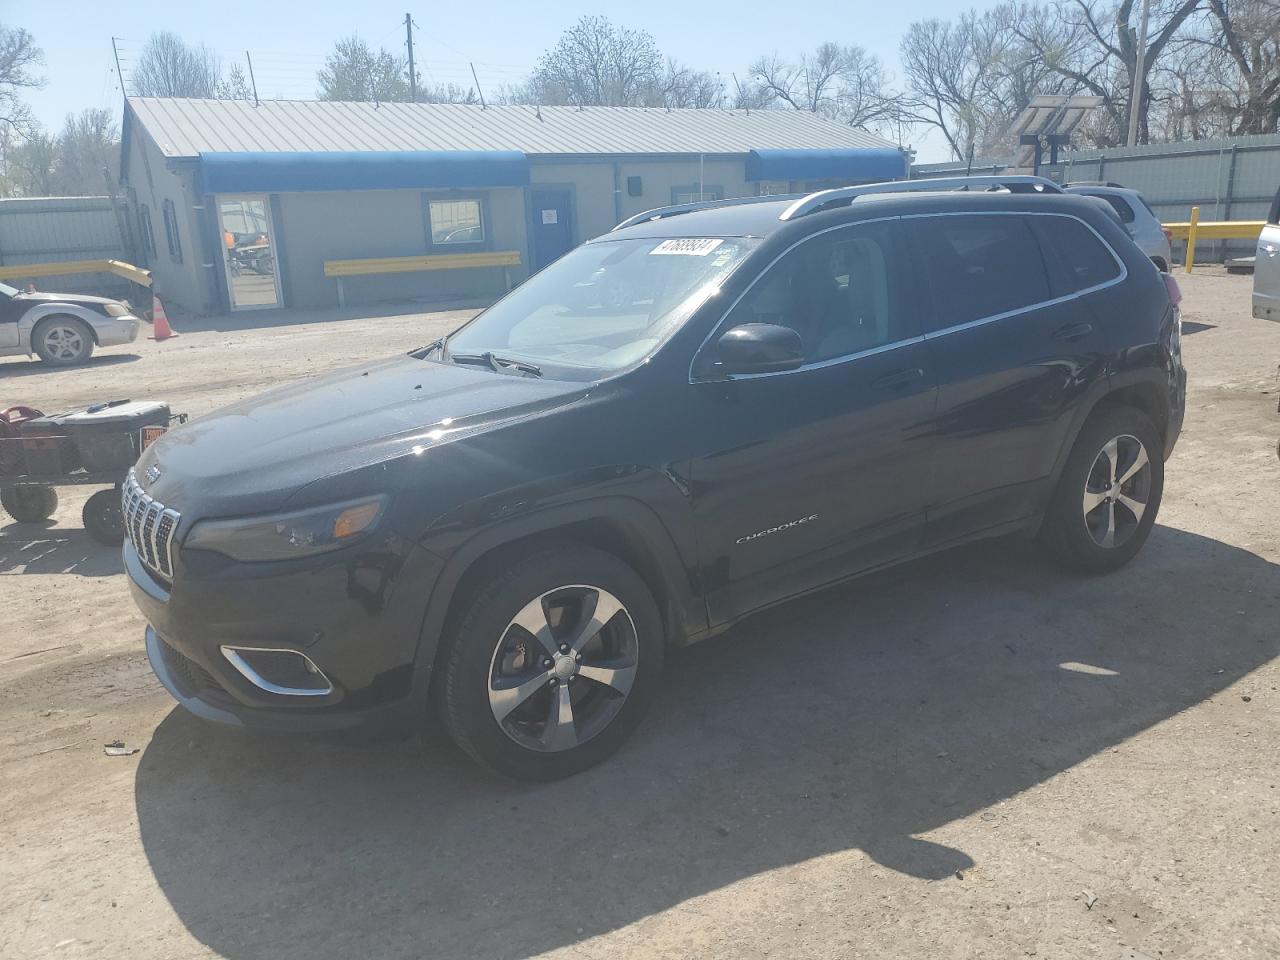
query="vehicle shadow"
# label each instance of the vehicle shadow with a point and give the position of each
(44, 548)
(15, 367)
(860, 718)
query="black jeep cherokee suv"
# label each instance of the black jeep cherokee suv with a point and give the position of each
(707, 411)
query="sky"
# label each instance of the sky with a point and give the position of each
(288, 40)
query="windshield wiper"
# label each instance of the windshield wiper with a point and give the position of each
(497, 364)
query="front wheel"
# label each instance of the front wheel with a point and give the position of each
(1109, 493)
(62, 341)
(552, 663)
(104, 518)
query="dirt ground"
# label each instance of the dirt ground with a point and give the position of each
(970, 756)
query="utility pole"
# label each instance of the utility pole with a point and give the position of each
(413, 76)
(1140, 65)
(483, 105)
(252, 81)
(116, 50)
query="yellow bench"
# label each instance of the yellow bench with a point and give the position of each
(338, 269)
(118, 267)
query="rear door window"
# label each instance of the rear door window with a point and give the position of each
(980, 265)
(1080, 259)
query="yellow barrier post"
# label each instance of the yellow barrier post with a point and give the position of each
(1192, 229)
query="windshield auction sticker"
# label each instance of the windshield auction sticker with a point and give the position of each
(686, 247)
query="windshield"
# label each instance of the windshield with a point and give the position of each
(8, 291)
(603, 307)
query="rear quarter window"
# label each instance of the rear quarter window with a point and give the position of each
(980, 265)
(1079, 259)
(1120, 205)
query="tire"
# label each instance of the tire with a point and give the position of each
(1095, 525)
(62, 341)
(103, 518)
(493, 666)
(29, 504)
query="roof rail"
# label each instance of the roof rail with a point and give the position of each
(661, 213)
(1095, 183)
(829, 198)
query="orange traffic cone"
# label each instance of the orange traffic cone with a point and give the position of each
(160, 321)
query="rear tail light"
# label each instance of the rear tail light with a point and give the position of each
(1168, 234)
(1175, 292)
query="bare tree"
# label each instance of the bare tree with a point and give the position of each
(682, 86)
(235, 85)
(958, 74)
(844, 83)
(1248, 33)
(88, 154)
(19, 57)
(354, 72)
(170, 67)
(1106, 63)
(595, 63)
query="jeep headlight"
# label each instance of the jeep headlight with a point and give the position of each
(287, 536)
(116, 309)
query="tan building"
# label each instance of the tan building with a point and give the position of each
(239, 205)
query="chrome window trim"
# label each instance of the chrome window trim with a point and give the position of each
(232, 654)
(920, 338)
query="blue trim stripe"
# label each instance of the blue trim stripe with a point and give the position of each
(848, 165)
(371, 170)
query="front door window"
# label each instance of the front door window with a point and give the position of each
(248, 252)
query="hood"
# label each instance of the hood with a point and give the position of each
(252, 456)
(39, 296)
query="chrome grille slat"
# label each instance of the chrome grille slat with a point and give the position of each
(151, 527)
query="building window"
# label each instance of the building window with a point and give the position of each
(148, 234)
(459, 221)
(773, 188)
(171, 231)
(694, 194)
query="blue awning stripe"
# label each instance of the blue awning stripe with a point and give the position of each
(850, 165)
(383, 170)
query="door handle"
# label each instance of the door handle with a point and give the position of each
(1073, 331)
(898, 378)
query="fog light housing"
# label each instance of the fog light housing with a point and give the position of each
(275, 670)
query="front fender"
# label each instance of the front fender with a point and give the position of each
(685, 612)
(38, 312)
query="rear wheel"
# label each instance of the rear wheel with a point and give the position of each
(552, 664)
(62, 341)
(29, 504)
(1109, 493)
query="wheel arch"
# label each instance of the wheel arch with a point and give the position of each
(52, 311)
(1143, 394)
(621, 526)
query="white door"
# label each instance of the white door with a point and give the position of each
(248, 252)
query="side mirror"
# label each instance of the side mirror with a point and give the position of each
(756, 348)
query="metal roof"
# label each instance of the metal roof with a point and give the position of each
(189, 128)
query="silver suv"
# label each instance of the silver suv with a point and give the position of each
(1266, 267)
(1136, 215)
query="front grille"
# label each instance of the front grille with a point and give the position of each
(150, 526)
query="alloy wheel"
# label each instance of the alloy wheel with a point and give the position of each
(63, 342)
(563, 668)
(1117, 491)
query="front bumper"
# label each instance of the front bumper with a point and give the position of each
(114, 331)
(344, 612)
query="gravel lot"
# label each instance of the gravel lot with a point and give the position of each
(970, 756)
